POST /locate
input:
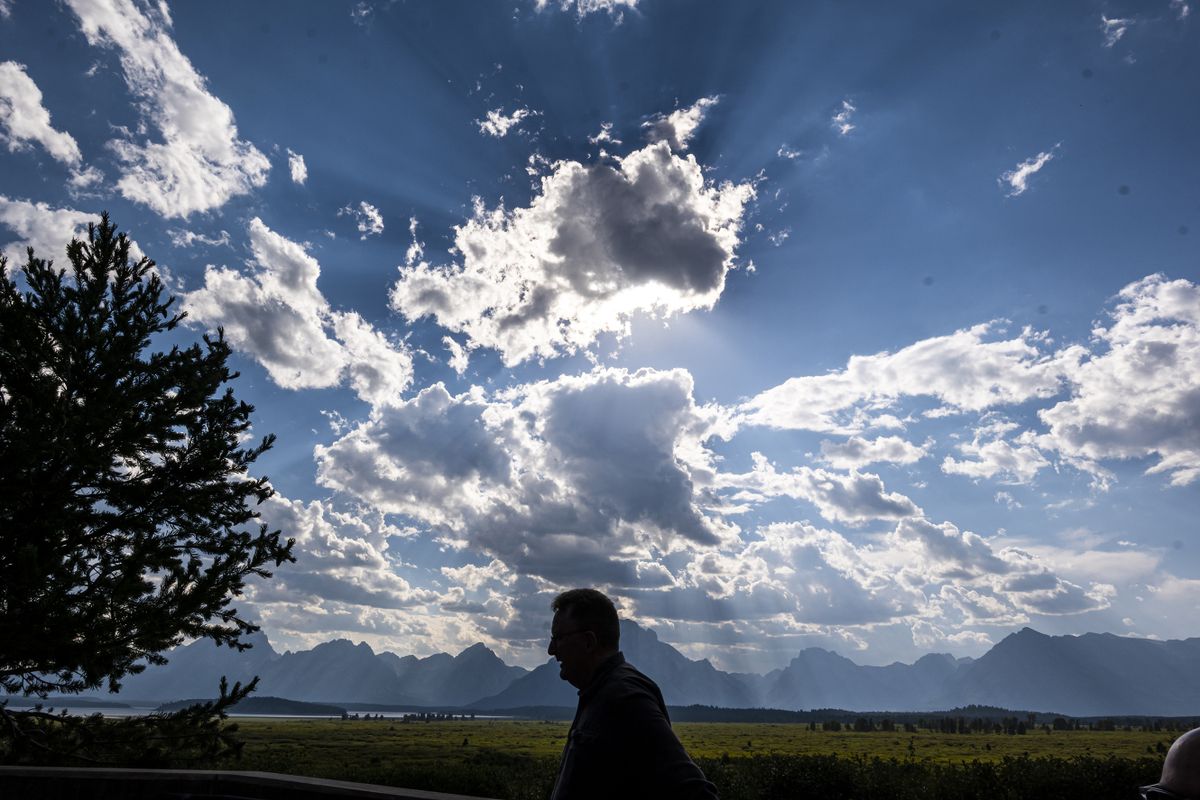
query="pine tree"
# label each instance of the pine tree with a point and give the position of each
(126, 505)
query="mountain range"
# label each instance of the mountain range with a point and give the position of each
(1090, 675)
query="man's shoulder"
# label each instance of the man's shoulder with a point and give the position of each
(626, 680)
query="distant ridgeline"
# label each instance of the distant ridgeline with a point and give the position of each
(1094, 675)
(267, 705)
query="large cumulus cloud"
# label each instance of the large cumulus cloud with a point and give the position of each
(46, 229)
(278, 315)
(587, 478)
(1140, 395)
(597, 245)
(199, 163)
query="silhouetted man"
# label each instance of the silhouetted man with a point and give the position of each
(1180, 778)
(621, 744)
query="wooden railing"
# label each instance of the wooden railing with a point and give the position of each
(76, 783)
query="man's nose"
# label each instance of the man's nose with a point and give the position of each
(550, 648)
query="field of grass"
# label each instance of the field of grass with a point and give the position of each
(517, 759)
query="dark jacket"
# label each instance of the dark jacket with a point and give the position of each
(621, 744)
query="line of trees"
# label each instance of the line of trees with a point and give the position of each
(1011, 725)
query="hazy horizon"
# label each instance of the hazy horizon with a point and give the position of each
(868, 327)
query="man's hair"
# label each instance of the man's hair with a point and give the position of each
(592, 611)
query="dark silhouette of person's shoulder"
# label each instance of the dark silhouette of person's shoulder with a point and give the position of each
(626, 682)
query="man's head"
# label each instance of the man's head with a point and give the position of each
(1181, 769)
(585, 632)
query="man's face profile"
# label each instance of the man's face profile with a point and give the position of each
(572, 646)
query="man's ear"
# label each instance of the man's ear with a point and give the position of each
(593, 640)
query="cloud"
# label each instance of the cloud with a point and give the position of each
(797, 579)
(577, 479)
(968, 370)
(988, 585)
(853, 498)
(297, 167)
(928, 636)
(585, 7)
(497, 124)
(1140, 397)
(24, 120)
(841, 120)
(47, 230)
(1114, 29)
(369, 220)
(1007, 500)
(792, 574)
(1132, 394)
(378, 370)
(858, 452)
(200, 163)
(186, 238)
(361, 13)
(1181, 9)
(1017, 179)
(341, 558)
(958, 554)
(279, 316)
(596, 246)
(460, 357)
(678, 127)
(604, 136)
(990, 454)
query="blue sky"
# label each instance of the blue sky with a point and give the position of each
(867, 326)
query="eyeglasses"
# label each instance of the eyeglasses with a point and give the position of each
(556, 639)
(1156, 792)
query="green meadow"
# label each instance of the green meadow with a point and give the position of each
(517, 759)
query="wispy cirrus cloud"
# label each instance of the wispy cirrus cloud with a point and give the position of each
(367, 218)
(584, 7)
(497, 124)
(186, 238)
(1016, 180)
(1114, 29)
(841, 121)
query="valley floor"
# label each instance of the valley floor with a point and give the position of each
(517, 759)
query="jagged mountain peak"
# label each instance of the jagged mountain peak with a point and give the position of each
(342, 644)
(477, 651)
(632, 630)
(819, 655)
